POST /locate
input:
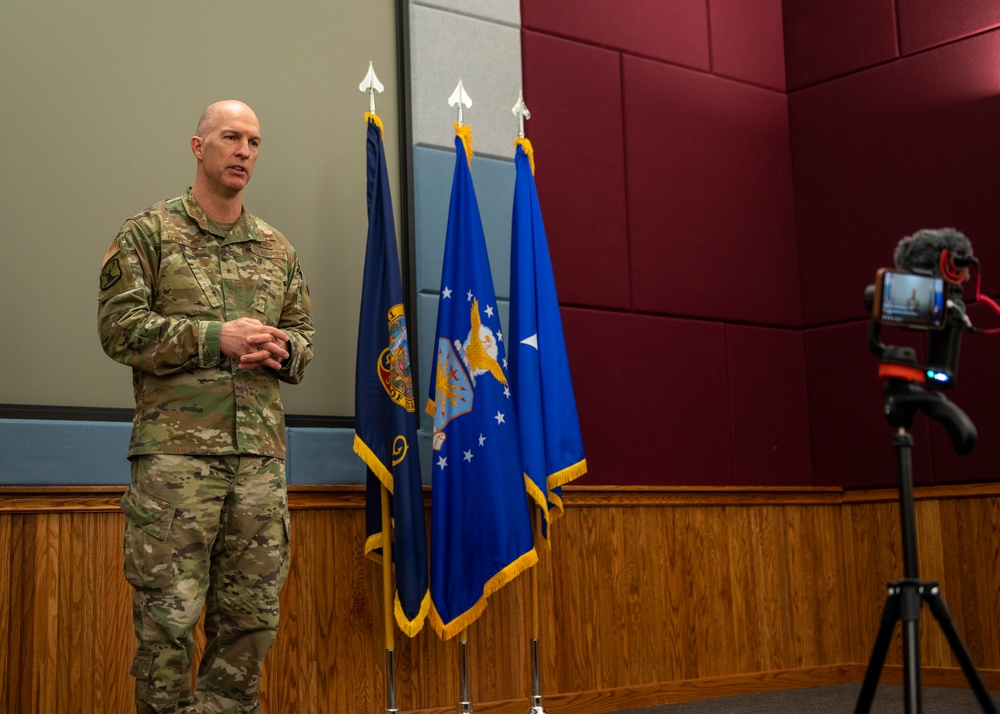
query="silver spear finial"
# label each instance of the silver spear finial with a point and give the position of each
(520, 110)
(460, 98)
(371, 85)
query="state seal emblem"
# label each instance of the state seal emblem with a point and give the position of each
(394, 362)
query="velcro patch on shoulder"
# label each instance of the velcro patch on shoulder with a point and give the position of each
(116, 276)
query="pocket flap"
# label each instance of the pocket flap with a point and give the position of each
(150, 514)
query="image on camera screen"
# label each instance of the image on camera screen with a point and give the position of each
(914, 300)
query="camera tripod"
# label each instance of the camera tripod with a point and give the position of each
(902, 398)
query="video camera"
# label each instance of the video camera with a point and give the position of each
(923, 292)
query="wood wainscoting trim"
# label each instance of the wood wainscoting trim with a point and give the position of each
(104, 499)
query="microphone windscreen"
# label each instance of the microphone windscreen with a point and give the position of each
(922, 250)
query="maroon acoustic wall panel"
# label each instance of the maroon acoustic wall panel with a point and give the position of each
(711, 214)
(883, 153)
(770, 411)
(829, 38)
(850, 436)
(926, 23)
(747, 41)
(675, 31)
(653, 398)
(574, 94)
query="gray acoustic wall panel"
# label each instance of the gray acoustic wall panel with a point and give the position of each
(486, 56)
(503, 11)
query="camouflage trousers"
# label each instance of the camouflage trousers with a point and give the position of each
(204, 534)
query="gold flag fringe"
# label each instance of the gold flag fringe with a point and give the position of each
(550, 503)
(372, 117)
(448, 630)
(529, 150)
(375, 541)
(372, 461)
(408, 627)
(464, 132)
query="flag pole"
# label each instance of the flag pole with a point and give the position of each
(520, 112)
(371, 84)
(387, 598)
(464, 705)
(536, 687)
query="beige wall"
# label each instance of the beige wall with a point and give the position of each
(98, 103)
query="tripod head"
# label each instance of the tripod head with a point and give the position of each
(923, 294)
(902, 399)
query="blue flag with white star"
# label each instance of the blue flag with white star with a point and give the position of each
(551, 446)
(481, 535)
(385, 415)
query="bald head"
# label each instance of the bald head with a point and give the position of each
(219, 111)
(226, 147)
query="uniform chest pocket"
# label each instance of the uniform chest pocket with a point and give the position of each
(270, 265)
(185, 285)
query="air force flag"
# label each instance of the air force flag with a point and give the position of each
(481, 535)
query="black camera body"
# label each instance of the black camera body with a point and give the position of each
(924, 301)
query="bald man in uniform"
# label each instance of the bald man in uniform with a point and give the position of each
(208, 306)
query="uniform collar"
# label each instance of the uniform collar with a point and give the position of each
(247, 227)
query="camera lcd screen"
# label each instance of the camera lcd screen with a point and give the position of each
(909, 299)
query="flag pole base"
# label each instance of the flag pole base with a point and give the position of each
(536, 699)
(536, 706)
(390, 683)
(464, 705)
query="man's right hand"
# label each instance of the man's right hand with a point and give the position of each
(253, 343)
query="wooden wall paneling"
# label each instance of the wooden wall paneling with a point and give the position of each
(945, 554)
(648, 637)
(763, 587)
(115, 641)
(669, 596)
(711, 619)
(821, 594)
(44, 694)
(22, 613)
(7, 583)
(935, 650)
(500, 647)
(971, 570)
(873, 559)
(577, 591)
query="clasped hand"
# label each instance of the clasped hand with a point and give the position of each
(254, 344)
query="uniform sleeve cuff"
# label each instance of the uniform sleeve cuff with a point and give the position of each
(209, 344)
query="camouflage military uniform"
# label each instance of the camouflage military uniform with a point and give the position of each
(207, 513)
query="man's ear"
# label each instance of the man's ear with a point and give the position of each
(196, 146)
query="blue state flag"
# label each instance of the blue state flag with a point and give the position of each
(385, 416)
(481, 535)
(551, 446)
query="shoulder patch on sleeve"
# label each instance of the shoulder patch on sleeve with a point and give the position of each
(115, 273)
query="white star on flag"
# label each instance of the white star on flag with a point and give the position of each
(499, 418)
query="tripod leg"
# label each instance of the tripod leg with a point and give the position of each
(935, 601)
(890, 616)
(910, 604)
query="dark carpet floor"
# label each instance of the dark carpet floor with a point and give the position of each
(836, 699)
